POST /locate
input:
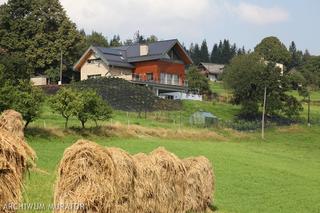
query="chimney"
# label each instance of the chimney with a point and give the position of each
(144, 49)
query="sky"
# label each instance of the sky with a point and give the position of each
(244, 22)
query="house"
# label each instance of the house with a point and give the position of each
(211, 71)
(181, 96)
(159, 65)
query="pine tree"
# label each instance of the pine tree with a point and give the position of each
(204, 53)
(196, 54)
(296, 56)
(214, 54)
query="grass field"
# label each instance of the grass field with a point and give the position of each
(280, 174)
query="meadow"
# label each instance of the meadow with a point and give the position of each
(279, 174)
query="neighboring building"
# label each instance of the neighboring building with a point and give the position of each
(181, 96)
(211, 71)
(40, 80)
(159, 65)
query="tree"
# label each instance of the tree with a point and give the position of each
(152, 39)
(214, 54)
(28, 101)
(197, 81)
(115, 41)
(21, 96)
(204, 53)
(248, 76)
(138, 38)
(66, 102)
(96, 39)
(272, 50)
(195, 54)
(311, 71)
(39, 31)
(92, 107)
(296, 56)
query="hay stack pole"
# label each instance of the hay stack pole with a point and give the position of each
(86, 176)
(125, 177)
(16, 157)
(172, 184)
(200, 184)
(146, 197)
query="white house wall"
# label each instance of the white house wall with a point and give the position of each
(100, 68)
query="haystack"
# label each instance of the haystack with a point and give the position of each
(16, 157)
(172, 182)
(125, 177)
(86, 176)
(200, 184)
(12, 121)
(146, 197)
(10, 186)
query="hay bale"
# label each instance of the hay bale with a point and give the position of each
(86, 176)
(124, 179)
(10, 186)
(172, 182)
(16, 157)
(12, 121)
(200, 184)
(146, 194)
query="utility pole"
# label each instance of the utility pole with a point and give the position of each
(309, 100)
(263, 112)
(60, 82)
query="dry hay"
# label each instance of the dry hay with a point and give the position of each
(291, 129)
(147, 185)
(124, 179)
(86, 176)
(16, 157)
(10, 186)
(200, 184)
(12, 121)
(172, 182)
(120, 130)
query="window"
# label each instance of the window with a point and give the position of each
(175, 79)
(166, 78)
(94, 76)
(150, 76)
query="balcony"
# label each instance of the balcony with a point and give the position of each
(164, 80)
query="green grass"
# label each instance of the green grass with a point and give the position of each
(165, 119)
(280, 174)
(219, 88)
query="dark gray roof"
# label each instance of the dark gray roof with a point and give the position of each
(114, 57)
(213, 68)
(123, 56)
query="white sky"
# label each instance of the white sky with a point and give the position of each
(245, 22)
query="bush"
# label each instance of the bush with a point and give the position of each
(243, 125)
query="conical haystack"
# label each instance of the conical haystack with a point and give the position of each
(125, 177)
(146, 197)
(200, 184)
(86, 176)
(172, 184)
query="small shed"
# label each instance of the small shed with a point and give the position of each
(202, 118)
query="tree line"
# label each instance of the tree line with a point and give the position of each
(221, 53)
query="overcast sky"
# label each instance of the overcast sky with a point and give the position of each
(244, 22)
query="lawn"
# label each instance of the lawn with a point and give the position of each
(280, 174)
